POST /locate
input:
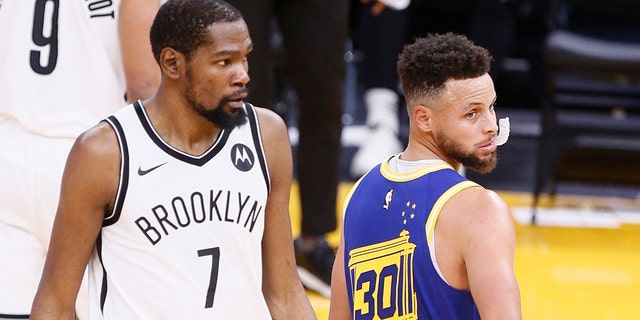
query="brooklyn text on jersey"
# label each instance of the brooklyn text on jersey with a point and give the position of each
(180, 212)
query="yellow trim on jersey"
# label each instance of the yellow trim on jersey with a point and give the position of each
(437, 206)
(392, 175)
(347, 199)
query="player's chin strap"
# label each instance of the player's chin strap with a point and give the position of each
(503, 131)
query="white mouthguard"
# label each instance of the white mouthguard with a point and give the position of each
(503, 131)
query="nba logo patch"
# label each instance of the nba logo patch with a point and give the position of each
(242, 157)
(387, 199)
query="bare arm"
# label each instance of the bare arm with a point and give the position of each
(490, 258)
(339, 304)
(482, 226)
(140, 67)
(281, 286)
(89, 184)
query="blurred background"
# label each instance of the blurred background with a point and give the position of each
(567, 74)
(517, 32)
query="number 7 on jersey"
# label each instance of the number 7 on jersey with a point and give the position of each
(213, 279)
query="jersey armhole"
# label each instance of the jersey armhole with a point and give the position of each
(113, 216)
(433, 218)
(257, 141)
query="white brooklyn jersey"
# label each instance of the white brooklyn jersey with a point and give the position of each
(184, 239)
(61, 64)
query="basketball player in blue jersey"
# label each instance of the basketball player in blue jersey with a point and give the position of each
(179, 203)
(61, 72)
(419, 240)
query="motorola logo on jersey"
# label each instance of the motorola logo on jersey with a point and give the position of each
(242, 157)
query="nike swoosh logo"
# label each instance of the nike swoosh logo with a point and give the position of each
(142, 172)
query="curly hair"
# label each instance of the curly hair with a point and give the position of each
(427, 64)
(182, 24)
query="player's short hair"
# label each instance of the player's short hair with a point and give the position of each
(427, 64)
(182, 24)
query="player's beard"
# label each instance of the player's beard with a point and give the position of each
(217, 116)
(467, 159)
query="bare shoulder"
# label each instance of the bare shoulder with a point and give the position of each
(483, 199)
(479, 209)
(92, 173)
(270, 121)
(273, 130)
(95, 158)
(97, 142)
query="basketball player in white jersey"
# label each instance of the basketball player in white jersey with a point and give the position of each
(179, 203)
(60, 73)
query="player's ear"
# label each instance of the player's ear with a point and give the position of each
(422, 117)
(171, 62)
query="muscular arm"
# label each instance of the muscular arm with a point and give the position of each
(89, 184)
(281, 286)
(140, 67)
(476, 229)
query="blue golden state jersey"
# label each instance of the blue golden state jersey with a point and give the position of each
(390, 266)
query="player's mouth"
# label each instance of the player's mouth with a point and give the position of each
(236, 101)
(489, 146)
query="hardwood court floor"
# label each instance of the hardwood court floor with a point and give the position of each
(566, 271)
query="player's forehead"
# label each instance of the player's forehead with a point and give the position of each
(228, 37)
